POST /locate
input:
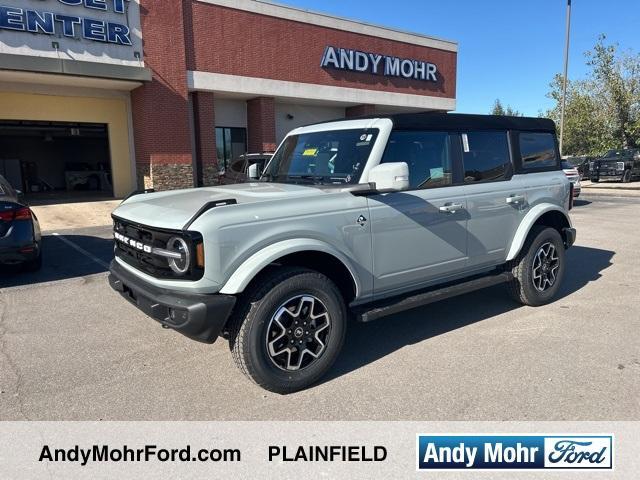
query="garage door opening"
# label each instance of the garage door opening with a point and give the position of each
(56, 160)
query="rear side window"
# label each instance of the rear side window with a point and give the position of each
(485, 156)
(538, 150)
(427, 154)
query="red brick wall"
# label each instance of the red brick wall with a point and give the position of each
(204, 123)
(261, 125)
(160, 108)
(191, 35)
(243, 43)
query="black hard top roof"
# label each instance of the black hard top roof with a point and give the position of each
(459, 121)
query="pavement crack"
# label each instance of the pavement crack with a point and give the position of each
(19, 382)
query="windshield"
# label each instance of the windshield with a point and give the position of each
(613, 153)
(327, 157)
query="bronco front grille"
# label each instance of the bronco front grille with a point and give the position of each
(142, 259)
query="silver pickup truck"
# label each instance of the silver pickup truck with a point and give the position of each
(352, 219)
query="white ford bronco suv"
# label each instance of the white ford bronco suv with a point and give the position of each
(357, 218)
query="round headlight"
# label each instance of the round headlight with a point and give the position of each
(179, 265)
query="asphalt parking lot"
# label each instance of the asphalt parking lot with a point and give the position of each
(71, 349)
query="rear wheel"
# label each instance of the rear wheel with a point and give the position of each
(539, 268)
(288, 330)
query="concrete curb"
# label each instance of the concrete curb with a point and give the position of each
(612, 189)
(604, 196)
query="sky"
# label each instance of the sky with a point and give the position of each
(508, 49)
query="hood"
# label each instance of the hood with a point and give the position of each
(173, 209)
(619, 158)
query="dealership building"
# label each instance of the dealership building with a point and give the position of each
(116, 95)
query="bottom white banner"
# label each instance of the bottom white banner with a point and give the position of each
(297, 450)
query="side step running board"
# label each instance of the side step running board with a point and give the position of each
(399, 304)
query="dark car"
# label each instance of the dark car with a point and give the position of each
(623, 165)
(582, 164)
(574, 177)
(20, 240)
(239, 168)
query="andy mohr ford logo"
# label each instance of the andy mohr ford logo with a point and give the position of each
(514, 452)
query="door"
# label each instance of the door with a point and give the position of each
(419, 235)
(496, 201)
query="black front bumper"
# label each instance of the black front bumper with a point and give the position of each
(609, 176)
(198, 316)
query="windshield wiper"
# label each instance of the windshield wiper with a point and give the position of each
(270, 177)
(313, 178)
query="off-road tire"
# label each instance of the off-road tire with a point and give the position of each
(522, 288)
(253, 313)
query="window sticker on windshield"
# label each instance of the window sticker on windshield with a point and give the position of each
(310, 152)
(465, 142)
(366, 138)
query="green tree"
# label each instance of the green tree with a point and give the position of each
(603, 109)
(586, 127)
(617, 84)
(498, 109)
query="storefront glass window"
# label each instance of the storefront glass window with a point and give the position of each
(230, 143)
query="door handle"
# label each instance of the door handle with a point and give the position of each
(450, 208)
(515, 199)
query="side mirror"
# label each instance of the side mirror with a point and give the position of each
(254, 172)
(390, 176)
(20, 195)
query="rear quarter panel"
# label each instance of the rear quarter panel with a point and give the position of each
(544, 191)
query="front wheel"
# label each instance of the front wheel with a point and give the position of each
(288, 330)
(626, 178)
(539, 268)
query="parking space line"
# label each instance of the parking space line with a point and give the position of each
(53, 283)
(81, 250)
